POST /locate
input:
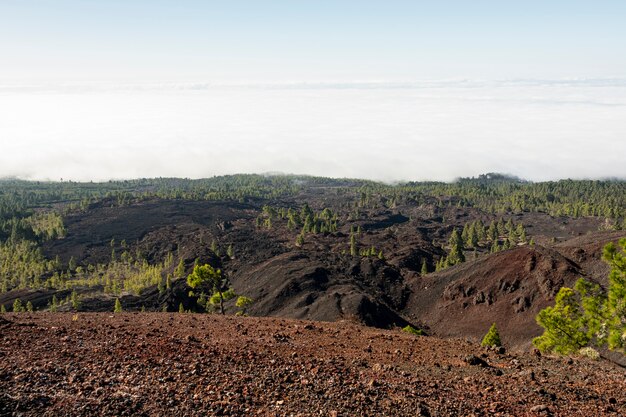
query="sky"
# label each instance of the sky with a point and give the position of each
(386, 90)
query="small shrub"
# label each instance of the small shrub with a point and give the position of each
(492, 338)
(118, 306)
(412, 330)
(243, 303)
(589, 352)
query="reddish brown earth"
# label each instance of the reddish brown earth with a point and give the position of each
(508, 288)
(148, 364)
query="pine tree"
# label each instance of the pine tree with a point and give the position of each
(465, 232)
(424, 270)
(230, 252)
(206, 275)
(509, 227)
(54, 304)
(523, 238)
(29, 307)
(492, 338)
(118, 306)
(3, 309)
(562, 324)
(512, 242)
(520, 232)
(18, 307)
(455, 239)
(616, 297)
(180, 269)
(480, 230)
(300, 240)
(500, 227)
(353, 248)
(471, 237)
(181, 308)
(74, 300)
(456, 251)
(588, 315)
(492, 232)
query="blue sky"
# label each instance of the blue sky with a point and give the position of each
(387, 90)
(295, 40)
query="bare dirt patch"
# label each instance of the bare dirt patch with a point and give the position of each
(147, 364)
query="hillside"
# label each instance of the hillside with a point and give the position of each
(311, 248)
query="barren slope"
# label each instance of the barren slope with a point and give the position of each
(508, 288)
(180, 364)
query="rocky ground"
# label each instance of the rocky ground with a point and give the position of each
(149, 364)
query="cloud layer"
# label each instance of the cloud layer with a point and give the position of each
(384, 131)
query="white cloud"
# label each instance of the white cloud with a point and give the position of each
(388, 131)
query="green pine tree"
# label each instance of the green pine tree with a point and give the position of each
(18, 307)
(492, 338)
(180, 269)
(54, 304)
(353, 248)
(456, 251)
(74, 300)
(118, 306)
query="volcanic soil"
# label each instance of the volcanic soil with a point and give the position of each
(320, 280)
(148, 364)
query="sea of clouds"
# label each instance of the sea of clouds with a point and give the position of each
(536, 129)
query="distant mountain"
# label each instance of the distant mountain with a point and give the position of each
(492, 177)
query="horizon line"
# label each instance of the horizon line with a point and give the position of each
(506, 177)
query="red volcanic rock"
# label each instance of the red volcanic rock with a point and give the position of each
(182, 364)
